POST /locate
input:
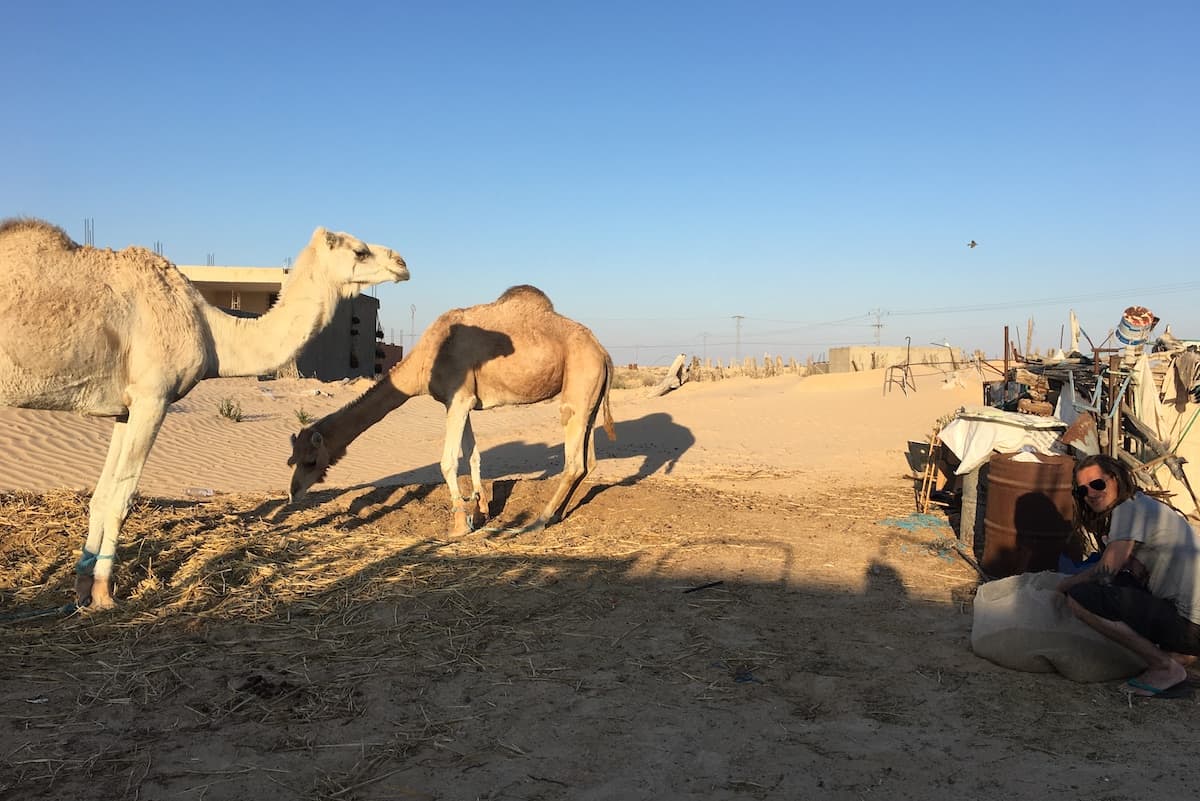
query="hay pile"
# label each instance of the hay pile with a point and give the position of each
(332, 593)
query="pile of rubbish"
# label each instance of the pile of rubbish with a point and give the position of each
(1132, 397)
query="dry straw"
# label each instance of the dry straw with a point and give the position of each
(329, 585)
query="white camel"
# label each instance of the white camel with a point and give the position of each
(125, 334)
(513, 351)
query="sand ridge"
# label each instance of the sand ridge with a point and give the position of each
(830, 428)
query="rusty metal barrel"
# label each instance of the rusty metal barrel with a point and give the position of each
(1029, 509)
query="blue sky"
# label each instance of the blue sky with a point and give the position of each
(656, 168)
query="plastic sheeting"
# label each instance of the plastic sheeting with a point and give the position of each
(976, 431)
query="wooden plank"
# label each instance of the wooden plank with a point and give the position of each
(1143, 431)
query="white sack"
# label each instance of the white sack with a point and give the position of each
(1022, 622)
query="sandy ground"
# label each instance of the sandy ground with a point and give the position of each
(741, 605)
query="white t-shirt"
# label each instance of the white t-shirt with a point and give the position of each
(1168, 546)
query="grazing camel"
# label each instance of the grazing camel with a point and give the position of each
(125, 334)
(514, 351)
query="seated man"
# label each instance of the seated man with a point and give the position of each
(1144, 592)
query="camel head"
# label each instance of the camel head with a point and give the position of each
(310, 460)
(353, 264)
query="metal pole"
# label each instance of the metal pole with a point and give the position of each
(1006, 359)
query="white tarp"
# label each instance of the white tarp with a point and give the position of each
(976, 431)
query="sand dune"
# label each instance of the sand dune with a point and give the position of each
(785, 434)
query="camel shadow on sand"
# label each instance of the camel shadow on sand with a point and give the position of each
(656, 437)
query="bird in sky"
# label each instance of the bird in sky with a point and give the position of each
(972, 244)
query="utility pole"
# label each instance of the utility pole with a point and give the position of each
(412, 324)
(704, 339)
(878, 324)
(737, 352)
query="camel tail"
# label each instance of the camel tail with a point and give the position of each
(608, 421)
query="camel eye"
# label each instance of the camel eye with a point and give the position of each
(361, 254)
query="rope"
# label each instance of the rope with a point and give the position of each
(1186, 429)
(31, 614)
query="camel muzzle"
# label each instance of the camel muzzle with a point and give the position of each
(296, 492)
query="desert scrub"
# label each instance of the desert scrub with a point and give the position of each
(304, 417)
(633, 377)
(230, 410)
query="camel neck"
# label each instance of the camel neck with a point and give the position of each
(342, 427)
(252, 346)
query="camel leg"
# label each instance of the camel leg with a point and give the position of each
(457, 420)
(590, 446)
(575, 429)
(99, 502)
(127, 454)
(470, 446)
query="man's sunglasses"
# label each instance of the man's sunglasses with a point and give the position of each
(1098, 484)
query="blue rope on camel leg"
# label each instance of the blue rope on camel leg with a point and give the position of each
(87, 562)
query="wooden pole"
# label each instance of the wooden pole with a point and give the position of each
(1114, 403)
(1006, 347)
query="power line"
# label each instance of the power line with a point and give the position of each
(1190, 286)
(870, 318)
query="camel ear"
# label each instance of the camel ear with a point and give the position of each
(332, 240)
(317, 440)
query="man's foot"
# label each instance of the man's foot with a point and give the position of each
(1187, 660)
(1158, 680)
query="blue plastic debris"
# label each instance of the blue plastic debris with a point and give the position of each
(916, 521)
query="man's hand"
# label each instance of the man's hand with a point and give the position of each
(1116, 556)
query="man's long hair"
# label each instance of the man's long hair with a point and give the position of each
(1087, 519)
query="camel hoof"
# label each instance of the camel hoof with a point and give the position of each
(100, 605)
(461, 525)
(92, 595)
(83, 591)
(478, 520)
(469, 517)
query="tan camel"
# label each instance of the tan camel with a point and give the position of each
(125, 334)
(514, 351)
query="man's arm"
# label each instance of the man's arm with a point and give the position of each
(1115, 557)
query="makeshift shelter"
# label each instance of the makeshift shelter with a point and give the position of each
(1139, 406)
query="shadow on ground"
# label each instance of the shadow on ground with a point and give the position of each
(663, 642)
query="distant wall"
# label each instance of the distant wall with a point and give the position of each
(856, 358)
(392, 355)
(253, 301)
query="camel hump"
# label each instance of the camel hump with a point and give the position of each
(39, 229)
(528, 294)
